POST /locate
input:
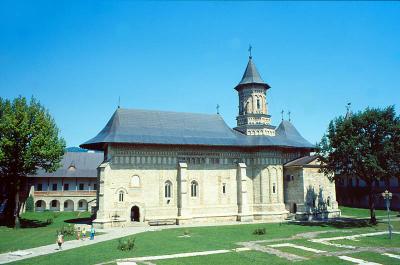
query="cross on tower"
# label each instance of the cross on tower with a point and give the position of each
(289, 115)
(282, 114)
(217, 109)
(250, 51)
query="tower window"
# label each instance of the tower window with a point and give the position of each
(194, 189)
(167, 189)
(121, 196)
(224, 188)
(274, 188)
(258, 104)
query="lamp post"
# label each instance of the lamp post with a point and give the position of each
(388, 196)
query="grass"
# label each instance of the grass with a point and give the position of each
(248, 258)
(35, 231)
(372, 241)
(364, 213)
(202, 239)
(375, 257)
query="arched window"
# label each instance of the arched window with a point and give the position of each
(135, 181)
(194, 189)
(121, 196)
(167, 189)
(224, 188)
(258, 104)
(328, 201)
(273, 188)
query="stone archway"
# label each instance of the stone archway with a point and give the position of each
(135, 214)
(40, 206)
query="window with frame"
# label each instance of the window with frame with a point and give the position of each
(39, 187)
(81, 186)
(194, 189)
(54, 186)
(135, 181)
(223, 188)
(95, 186)
(121, 196)
(274, 188)
(258, 104)
(167, 189)
(66, 186)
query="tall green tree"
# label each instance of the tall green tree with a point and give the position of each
(366, 145)
(29, 139)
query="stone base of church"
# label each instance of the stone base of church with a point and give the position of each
(328, 214)
(107, 223)
(271, 216)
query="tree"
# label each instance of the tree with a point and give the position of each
(28, 140)
(29, 205)
(366, 145)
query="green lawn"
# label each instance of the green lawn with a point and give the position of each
(375, 257)
(371, 241)
(363, 213)
(248, 258)
(35, 231)
(202, 239)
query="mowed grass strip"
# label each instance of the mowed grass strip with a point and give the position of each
(168, 242)
(375, 257)
(247, 258)
(372, 241)
(364, 213)
(35, 231)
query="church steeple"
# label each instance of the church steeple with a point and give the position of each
(253, 118)
(251, 76)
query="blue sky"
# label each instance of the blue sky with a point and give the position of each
(78, 57)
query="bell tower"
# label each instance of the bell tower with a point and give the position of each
(253, 118)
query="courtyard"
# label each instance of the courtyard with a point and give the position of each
(349, 240)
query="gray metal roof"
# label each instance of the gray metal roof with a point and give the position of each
(75, 165)
(176, 128)
(251, 76)
(302, 161)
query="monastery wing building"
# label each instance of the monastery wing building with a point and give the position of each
(171, 167)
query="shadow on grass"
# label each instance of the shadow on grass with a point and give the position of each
(337, 223)
(84, 220)
(27, 223)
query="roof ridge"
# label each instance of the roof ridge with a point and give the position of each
(169, 111)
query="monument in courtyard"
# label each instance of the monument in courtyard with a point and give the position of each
(169, 167)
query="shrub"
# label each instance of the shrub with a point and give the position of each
(49, 221)
(67, 230)
(186, 232)
(56, 215)
(259, 231)
(126, 244)
(29, 204)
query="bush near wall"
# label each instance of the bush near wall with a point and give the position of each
(29, 204)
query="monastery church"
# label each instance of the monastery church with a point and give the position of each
(173, 168)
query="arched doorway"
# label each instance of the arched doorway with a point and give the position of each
(135, 214)
(294, 208)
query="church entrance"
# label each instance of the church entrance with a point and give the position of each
(135, 215)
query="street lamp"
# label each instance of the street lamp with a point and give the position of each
(388, 196)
